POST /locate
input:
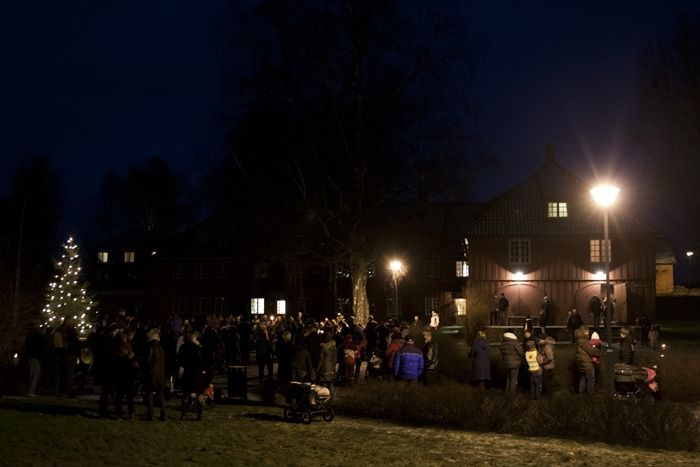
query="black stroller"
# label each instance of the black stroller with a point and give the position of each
(307, 401)
(635, 383)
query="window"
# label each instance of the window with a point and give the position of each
(257, 306)
(102, 257)
(557, 210)
(220, 305)
(462, 269)
(223, 270)
(431, 303)
(129, 256)
(599, 252)
(281, 307)
(200, 270)
(178, 305)
(519, 251)
(201, 306)
(178, 271)
(432, 268)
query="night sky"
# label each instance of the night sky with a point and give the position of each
(99, 85)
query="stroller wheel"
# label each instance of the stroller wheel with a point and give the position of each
(288, 413)
(328, 415)
(306, 417)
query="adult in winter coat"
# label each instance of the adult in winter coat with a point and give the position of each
(190, 364)
(154, 374)
(512, 356)
(481, 360)
(285, 351)
(546, 344)
(302, 366)
(328, 359)
(430, 358)
(408, 362)
(584, 364)
(573, 322)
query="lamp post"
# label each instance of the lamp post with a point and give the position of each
(397, 271)
(690, 257)
(604, 196)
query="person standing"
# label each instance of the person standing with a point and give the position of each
(481, 360)
(546, 314)
(511, 355)
(408, 362)
(573, 322)
(533, 359)
(645, 325)
(190, 368)
(67, 348)
(595, 308)
(584, 363)
(34, 354)
(326, 371)
(546, 344)
(626, 346)
(154, 374)
(430, 358)
(502, 308)
(434, 321)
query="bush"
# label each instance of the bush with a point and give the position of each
(664, 425)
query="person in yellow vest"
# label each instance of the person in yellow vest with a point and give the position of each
(534, 359)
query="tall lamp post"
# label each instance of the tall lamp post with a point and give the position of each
(397, 271)
(604, 196)
(690, 257)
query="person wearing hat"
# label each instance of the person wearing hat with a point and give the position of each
(512, 356)
(154, 374)
(408, 362)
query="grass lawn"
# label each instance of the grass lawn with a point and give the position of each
(62, 432)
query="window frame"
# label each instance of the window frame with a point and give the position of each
(521, 256)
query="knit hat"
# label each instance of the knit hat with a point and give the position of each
(510, 335)
(595, 336)
(409, 340)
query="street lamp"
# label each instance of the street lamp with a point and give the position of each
(397, 271)
(690, 256)
(604, 196)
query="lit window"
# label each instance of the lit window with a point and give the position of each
(281, 307)
(102, 257)
(257, 306)
(599, 252)
(557, 210)
(431, 304)
(519, 251)
(462, 269)
(129, 256)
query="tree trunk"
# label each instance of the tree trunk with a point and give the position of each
(360, 304)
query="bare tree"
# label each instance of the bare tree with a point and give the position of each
(358, 103)
(670, 120)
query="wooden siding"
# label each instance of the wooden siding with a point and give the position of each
(560, 268)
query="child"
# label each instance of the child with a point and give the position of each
(533, 359)
(596, 343)
(654, 335)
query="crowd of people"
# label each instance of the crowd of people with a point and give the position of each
(127, 357)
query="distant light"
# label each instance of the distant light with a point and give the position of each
(395, 265)
(153, 253)
(519, 276)
(605, 195)
(599, 276)
(689, 253)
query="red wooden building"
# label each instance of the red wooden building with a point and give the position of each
(544, 237)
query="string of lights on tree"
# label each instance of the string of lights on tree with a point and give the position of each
(67, 296)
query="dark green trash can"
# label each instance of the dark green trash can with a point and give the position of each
(237, 382)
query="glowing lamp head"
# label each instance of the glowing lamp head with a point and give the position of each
(689, 253)
(395, 266)
(599, 276)
(519, 275)
(605, 195)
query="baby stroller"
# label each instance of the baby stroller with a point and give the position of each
(635, 383)
(307, 401)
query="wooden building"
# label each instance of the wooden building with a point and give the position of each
(545, 237)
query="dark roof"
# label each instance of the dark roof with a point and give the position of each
(522, 210)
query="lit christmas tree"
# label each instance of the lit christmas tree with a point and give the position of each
(67, 295)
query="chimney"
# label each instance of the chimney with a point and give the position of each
(549, 153)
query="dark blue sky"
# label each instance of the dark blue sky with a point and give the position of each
(101, 85)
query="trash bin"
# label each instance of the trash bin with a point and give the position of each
(237, 382)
